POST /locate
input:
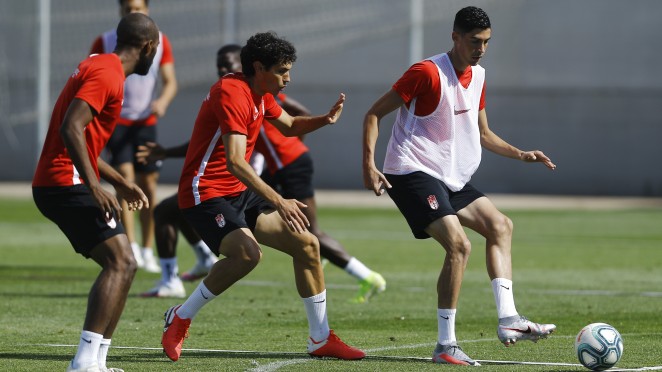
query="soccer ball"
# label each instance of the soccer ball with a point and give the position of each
(599, 346)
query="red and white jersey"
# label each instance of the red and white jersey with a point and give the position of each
(278, 150)
(99, 81)
(443, 142)
(230, 107)
(139, 91)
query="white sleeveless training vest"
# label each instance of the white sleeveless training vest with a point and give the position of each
(446, 143)
(139, 91)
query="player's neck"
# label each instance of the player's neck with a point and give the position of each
(457, 64)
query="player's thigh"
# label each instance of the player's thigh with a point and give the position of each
(448, 231)
(167, 211)
(483, 217)
(241, 243)
(115, 250)
(272, 231)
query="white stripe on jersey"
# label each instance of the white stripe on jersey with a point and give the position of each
(203, 164)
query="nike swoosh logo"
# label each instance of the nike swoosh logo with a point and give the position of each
(459, 112)
(319, 302)
(88, 341)
(504, 286)
(203, 295)
(445, 317)
(527, 330)
(315, 342)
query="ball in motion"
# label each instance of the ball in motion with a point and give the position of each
(598, 346)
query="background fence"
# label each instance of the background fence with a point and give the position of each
(576, 79)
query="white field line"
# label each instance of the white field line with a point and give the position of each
(299, 358)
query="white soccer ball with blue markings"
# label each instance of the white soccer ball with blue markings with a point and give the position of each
(599, 346)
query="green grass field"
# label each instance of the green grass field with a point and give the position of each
(570, 268)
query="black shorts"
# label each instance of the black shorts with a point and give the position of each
(124, 143)
(76, 213)
(423, 199)
(294, 181)
(215, 218)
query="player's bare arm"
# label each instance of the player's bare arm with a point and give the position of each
(497, 145)
(298, 125)
(169, 90)
(78, 116)
(373, 179)
(288, 209)
(151, 151)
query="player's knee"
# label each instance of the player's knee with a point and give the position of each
(250, 257)
(126, 265)
(502, 226)
(310, 248)
(460, 247)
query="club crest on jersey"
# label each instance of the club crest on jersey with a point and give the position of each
(220, 220)
(432, 200)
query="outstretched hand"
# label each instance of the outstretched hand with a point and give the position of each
(150, 152)
(537, 156)
(336, 110)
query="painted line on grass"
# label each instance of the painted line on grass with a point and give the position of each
(299, 358)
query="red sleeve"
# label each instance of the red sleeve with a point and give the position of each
(271, 108)
(482, 98)
(96, 86)
(167, 52)
(416, 81)
(231, 109)
(97, 46)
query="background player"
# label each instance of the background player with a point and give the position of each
(137, 125)
(66, 186)
(233, 209)
(289, 170)
(434, 149)
(168, 221)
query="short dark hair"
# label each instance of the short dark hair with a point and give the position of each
(135, 29)
(229, 48)
(470, 18)
(267, 48)
(122, 2)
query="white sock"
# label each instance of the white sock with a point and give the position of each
(446, 326)
(169, 269)
(103, 352)
(357, 269)
(503, 296)
(203, 253)
(137, 254)
(148, 253)
(88, 350)
(199, 298)
(318, 323)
